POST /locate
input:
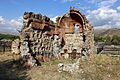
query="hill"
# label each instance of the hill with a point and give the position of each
(8, 36)
(108, 32)
(109, 36)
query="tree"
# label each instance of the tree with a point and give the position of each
(99, 39)
(115, 39)
(107, 39)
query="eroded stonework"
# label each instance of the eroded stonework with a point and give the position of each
(72, 34)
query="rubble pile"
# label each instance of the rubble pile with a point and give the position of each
(71, 68)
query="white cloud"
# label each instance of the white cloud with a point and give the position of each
(65, 0)
(106, 3)
(104, 17)
(118, 8)
(102, 2)
(94, 1)
(81, 6)
(17, 23)
(2, 21)
(117, 24)
(103, 27)
(10, 26)
(54, 18)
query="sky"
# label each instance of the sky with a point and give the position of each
(102, 14)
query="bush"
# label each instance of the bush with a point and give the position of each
(115, 39)
(107, 39)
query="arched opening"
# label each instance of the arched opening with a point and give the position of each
(78, 22)
(71, 23)
(76, 28)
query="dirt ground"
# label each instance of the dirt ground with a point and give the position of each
(11, 70)
(100, 67)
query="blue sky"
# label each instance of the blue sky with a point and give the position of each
(15, 8)
(101, 13)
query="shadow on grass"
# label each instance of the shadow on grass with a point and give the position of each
(12, 70)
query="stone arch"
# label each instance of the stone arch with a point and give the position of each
(79, 21)
(77, 18)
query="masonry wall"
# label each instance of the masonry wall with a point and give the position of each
(77, 32)
(41, 36)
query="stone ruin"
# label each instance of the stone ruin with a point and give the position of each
(71, 68)
(41, 39)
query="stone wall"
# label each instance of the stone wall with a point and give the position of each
(77, 32)
(36, 38)
(41, 36)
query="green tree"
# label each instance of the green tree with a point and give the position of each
(107, 39)
(115, 39)
(8, 36)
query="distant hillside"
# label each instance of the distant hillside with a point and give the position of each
(8, 36)
(107, 32)
(9, 33)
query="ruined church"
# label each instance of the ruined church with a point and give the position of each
(71, 33)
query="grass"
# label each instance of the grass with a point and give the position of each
(97, 67)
